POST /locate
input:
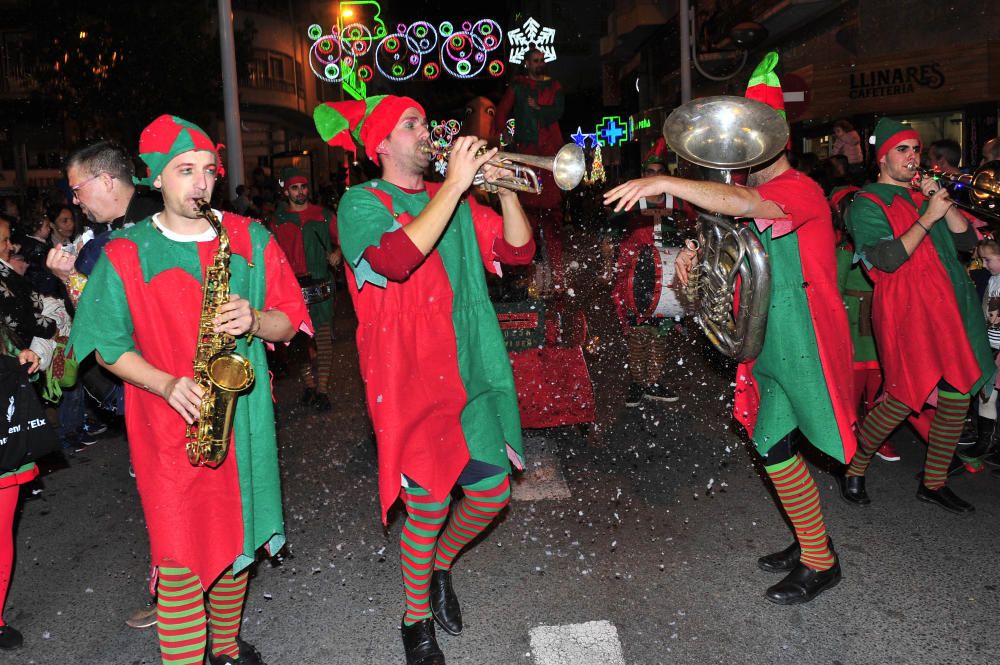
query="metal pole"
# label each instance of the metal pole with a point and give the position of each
(231, 99)
(684, 17)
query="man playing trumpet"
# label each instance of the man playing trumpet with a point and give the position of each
(437, 376)
(801, 380)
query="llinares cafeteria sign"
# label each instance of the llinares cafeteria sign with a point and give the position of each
(895, 80)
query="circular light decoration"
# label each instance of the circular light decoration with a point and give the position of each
(442, 136)
(422, 37)
(431, 71)
(356, 39)
(495, 68)
(446, 28)
(324, 55)
(458, 55)
(397, 57)
(365, 73)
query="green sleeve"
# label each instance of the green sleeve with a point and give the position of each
(845, 259)
(867, 225)
(362, 220)
(103, 321)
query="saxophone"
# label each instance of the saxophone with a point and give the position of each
(221, 373)
(725, 134)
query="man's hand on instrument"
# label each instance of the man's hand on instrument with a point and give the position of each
(60, 263)
(184, 396)
(628, 194)
(29, 358)
(235, 317)
(463, 163)
(938, 203)
(493, 173)
(684, 263)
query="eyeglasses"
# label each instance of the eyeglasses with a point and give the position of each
(76, 188)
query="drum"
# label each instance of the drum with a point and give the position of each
(650, 293)
(315, 291)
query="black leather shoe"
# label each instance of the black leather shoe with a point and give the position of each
(786, 560)
(781, 562)
(803, 584)
(421, 645)
(10, 638)
(852, 490)
(321, 403)
(248, 656)
(945, 498)
(444, 602)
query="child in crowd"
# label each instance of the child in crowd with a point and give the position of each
(987, 447)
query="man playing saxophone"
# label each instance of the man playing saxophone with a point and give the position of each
(142, 315)
(800, 382)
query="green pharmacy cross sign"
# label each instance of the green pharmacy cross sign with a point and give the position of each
(612, 131)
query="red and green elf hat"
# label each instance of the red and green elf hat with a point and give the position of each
(292, 176)
(838, 194)
(169, 136)
(657, 154)
(764, 86)
(888, 134)
(366, 122)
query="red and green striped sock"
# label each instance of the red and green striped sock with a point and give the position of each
(424, 519)
(886, 416)
(180, 613)
(474, 512)
(800, 501)
(324, 357)
(225, 612)
(942, 439)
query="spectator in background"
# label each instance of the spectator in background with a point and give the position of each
(65, 224)
(847, 142)
(991, 149)
(242, 202)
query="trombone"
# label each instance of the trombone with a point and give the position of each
(568, 167)
(983, 185)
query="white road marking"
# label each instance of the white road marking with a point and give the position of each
(591, 643)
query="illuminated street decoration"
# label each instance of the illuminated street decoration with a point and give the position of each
(529, 36)
(580, 138)
(612, 131)
(416, 50)
(443, 134)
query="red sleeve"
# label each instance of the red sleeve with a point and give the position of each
(514, 256)
(333, 231)
(796, 194)
(283, 292)
(395, 257)
(503, 110)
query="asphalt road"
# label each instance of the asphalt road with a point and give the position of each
(633, 544)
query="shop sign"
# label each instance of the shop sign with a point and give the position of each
(895, 80)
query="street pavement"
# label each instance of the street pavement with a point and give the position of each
(634, 542)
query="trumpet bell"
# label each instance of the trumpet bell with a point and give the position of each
(569, 166)
(726, 132)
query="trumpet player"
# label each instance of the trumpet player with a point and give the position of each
(801, 380)
(437, 376)
(928, 322)
(142, 314)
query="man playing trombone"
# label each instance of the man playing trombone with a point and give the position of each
(800, 382)
(437, 376)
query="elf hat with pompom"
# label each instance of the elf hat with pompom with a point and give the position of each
(292, 176)
(657, 154)
(764, 86)
(366, 123)
(888, 134)
(169, 136)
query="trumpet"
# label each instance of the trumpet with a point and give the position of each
(568, 167)
(983, 186)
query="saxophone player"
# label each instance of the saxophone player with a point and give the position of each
(800, 382)
(142, 315)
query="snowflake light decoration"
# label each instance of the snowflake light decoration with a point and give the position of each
(531, 35)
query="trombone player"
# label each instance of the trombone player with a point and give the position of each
(800, 382)
(437, 376)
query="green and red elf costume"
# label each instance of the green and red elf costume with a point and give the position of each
(801, 381)
(928, 322)
(205, 525)
(437, 376)
(306, 236)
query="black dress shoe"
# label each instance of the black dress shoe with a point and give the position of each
(852, 490)
(444, 602)
(248, 656)
(10, 638)
(803, 584)
(945, 498)
(786, 560)
(421, 645)
(783, 561)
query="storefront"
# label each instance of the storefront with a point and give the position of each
(946, 93)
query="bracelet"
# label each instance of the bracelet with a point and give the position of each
(926, 230)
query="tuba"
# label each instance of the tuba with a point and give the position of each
(731, 282)
(221, 373)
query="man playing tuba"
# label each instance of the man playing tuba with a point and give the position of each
(141, 313)
(801, 380)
